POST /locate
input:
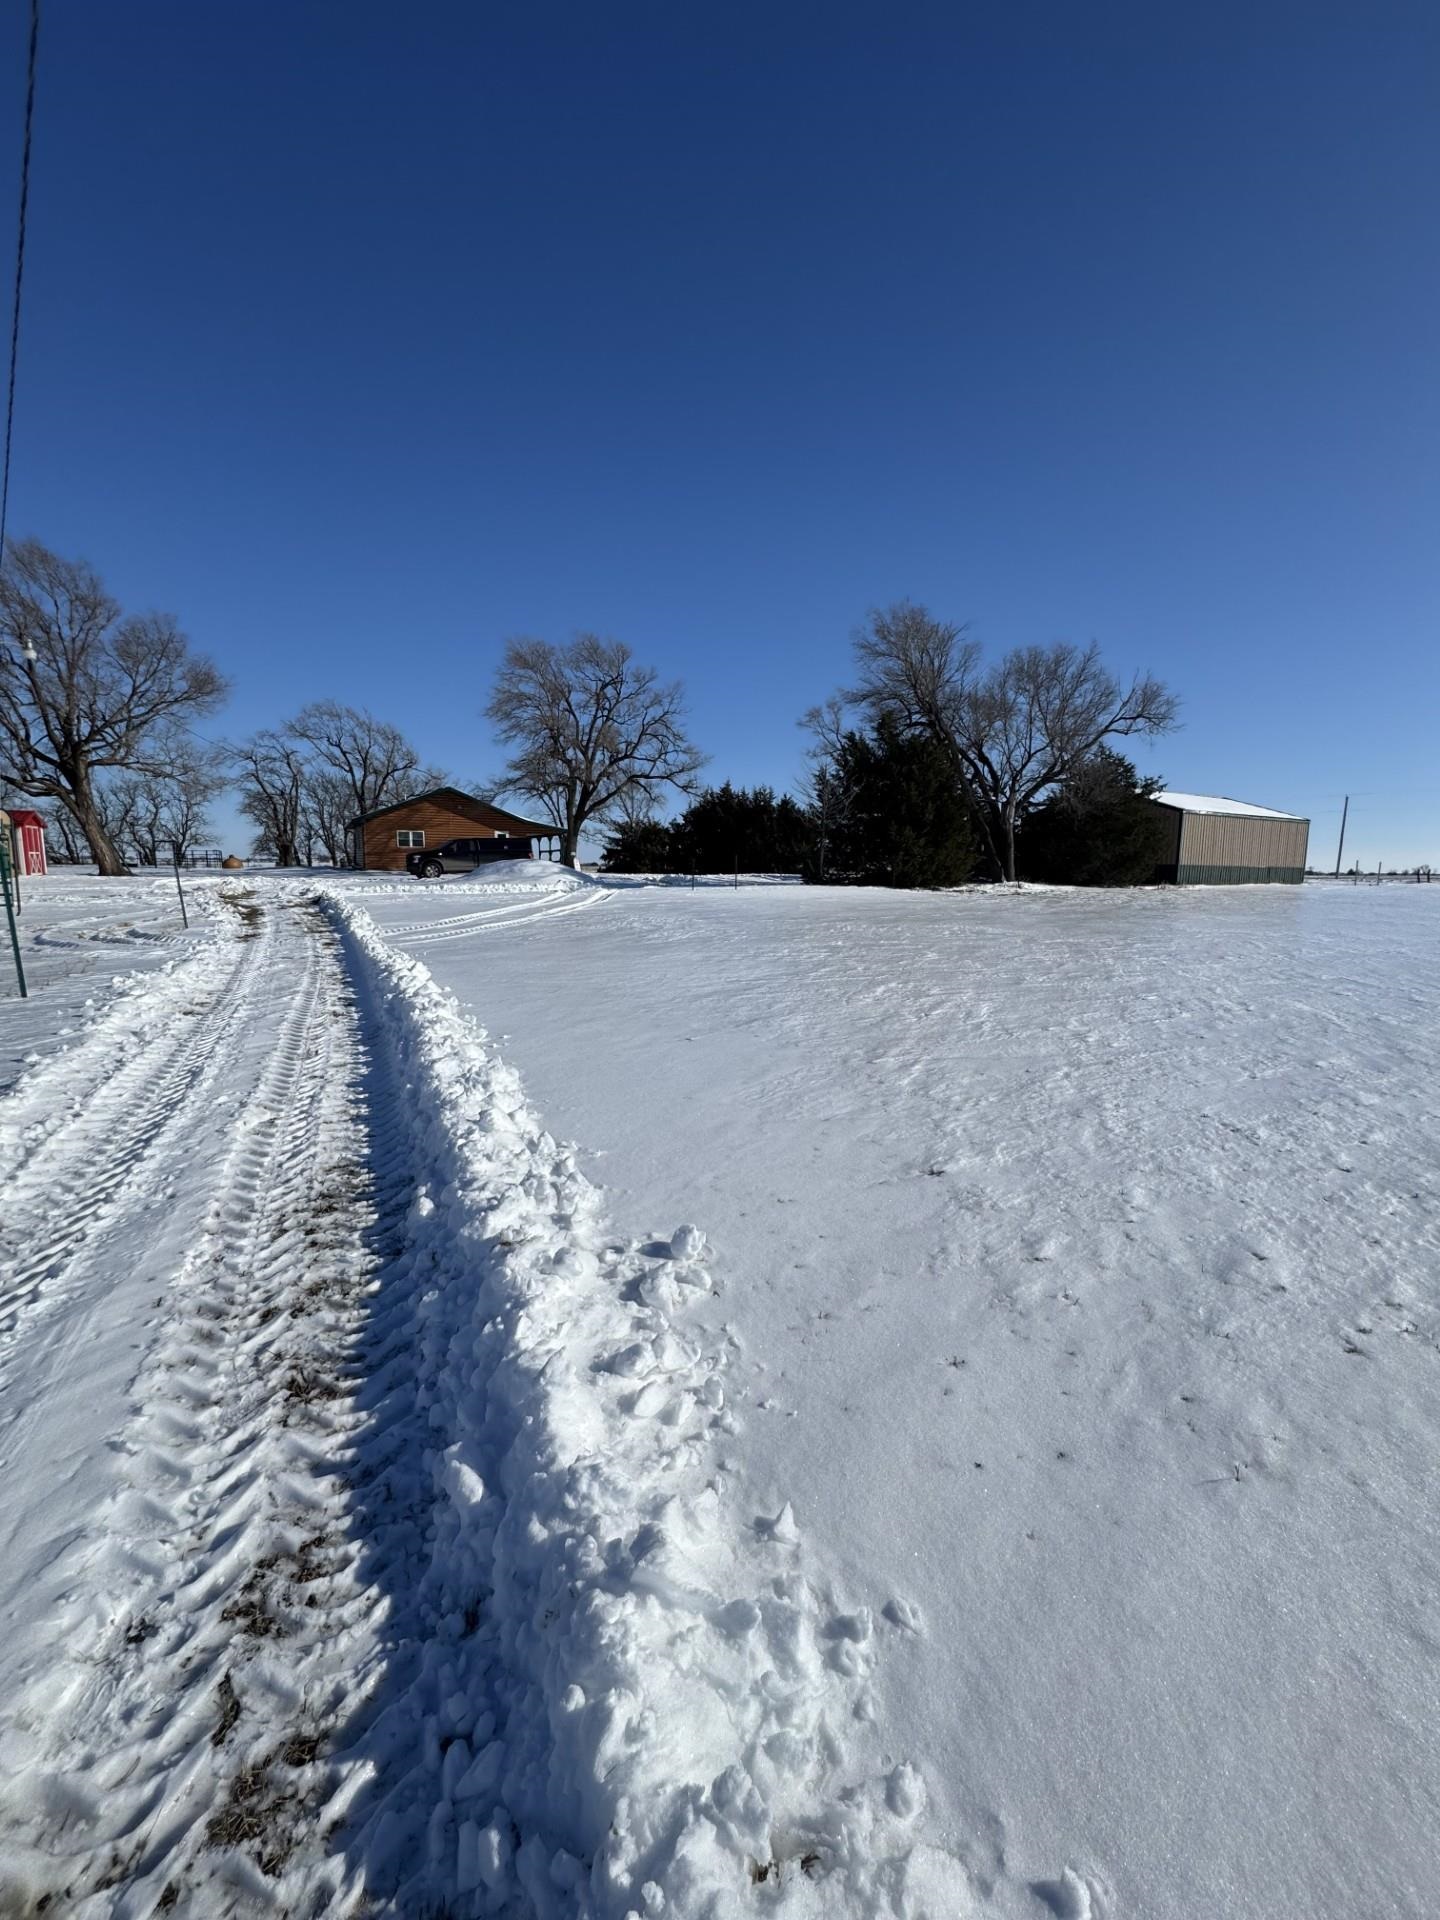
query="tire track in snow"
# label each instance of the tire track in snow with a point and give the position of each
(72, 1191)
(497, 910)
(68, 1174)
(147, 1764)
(432, 931)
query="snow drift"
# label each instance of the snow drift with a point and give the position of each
(635, 1700)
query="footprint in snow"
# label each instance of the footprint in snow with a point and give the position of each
(686, 1243)
(905, 1794)
(782, 1529)
(1073, 1896)
(903, 1614)
(849, 1626)
(737, 1619)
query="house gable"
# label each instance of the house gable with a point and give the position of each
(383, 840)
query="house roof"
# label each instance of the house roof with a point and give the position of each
(1218, 803)
(513, 822)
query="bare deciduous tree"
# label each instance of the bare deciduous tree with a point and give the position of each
(354, 763)
(148, 814)
(371, 761)
(304, 782)
(118, 802)
(102, 691)
(190, 788)
(636, 807)
(72, 841)
(270, 772)
(1010, 731)
(327, 806)
(591, 731)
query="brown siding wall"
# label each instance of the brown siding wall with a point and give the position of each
(437, 821)
(1227, 840)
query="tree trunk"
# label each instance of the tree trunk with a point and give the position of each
(992, 831)
(569, 845)
(103, 850)
(1007, 827)
(988, 818)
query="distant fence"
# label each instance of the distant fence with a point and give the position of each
(1358, 877)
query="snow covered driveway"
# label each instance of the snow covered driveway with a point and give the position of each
(161, 1178)
(1082, 1254)
(363, 1534)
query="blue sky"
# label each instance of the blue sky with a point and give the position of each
(366, 336)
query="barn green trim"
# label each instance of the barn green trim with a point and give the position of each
(1191, 876)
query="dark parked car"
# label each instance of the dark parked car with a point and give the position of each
(463, 856)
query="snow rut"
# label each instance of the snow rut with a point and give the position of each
(67, 1167)
(499, 917)
(138, 1752)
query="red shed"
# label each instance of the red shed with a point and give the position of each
(29, 830)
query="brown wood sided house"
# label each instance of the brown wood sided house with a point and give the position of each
(381, 841)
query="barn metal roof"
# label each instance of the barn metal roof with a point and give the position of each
(1218, 803)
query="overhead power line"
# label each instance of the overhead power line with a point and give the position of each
(19, 269)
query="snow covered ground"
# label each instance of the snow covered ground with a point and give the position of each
(1082, 1254)
(82, 939)
(1008, 1492)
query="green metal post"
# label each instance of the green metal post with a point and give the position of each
(10, 912)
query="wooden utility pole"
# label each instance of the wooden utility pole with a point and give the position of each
(1344, 816)
(175, 852)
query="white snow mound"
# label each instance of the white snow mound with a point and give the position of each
(635, 1702)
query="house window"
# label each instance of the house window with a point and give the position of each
(410, 837)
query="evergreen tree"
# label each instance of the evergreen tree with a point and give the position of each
(639, 846)
(1097, 829)
(896, 818)
(749, 828)
(723, 828)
